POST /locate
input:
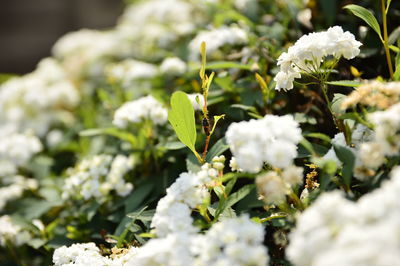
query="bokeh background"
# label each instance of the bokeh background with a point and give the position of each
(28, 29)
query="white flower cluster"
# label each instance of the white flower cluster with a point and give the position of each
(13, 187)
(272, 139)
(173, 211)
(96, 177)
(217, 38)
(145, 108)
(236, 241)
(274, 187)
(309, 52)
(36, 100)
(87, 254)
(336, 231)
(78, 50)
(173, 66)
(151, 25)
(233, 241)
(16, 149)
(129, 71)
(12, 233)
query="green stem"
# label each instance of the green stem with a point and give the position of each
(385, 39)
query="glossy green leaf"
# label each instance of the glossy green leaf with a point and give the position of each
(367, 16)
(181, 117)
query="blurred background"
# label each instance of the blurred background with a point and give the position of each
(28, 29)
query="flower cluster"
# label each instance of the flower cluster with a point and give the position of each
(13, 187)
(86, 254)
(273, 187)
(217, 38)
(145, 108)
(97, 176)
(308, 53)
(128, 71)
(39, 99)
(173, 211)
(385, 142)
(236, 241)
(16, 149)
(336, 231)
(375, 94)
(12, 233)
(272, 139)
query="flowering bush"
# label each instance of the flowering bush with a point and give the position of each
(243, 132)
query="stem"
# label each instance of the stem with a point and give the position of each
(206, 147)
(385, 39)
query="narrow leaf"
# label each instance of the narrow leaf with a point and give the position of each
(111, 131)
(345, 83)
(367, 16)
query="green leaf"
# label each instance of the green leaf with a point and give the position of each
(111, 131)
(367, 16)
(173, 145)
(318, 136)
(346, 156)
(217, 149)
(240, 194)
(181, 117)
(345, 83)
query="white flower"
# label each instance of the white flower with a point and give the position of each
(173, 66)
(96, 177)
(272, 188)
(335, 231)
(145, 108)
(235, 240)
(11, 232)
(310, 50)
(173, 211)
(217, 38)
(129, 71)
(39, 99)
(293, 175)
(272, 139)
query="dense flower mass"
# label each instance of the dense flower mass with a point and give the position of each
(39, 99)
(145, 108)
(92, 173)
(272, 139)
(336, 231)
(308, 53)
